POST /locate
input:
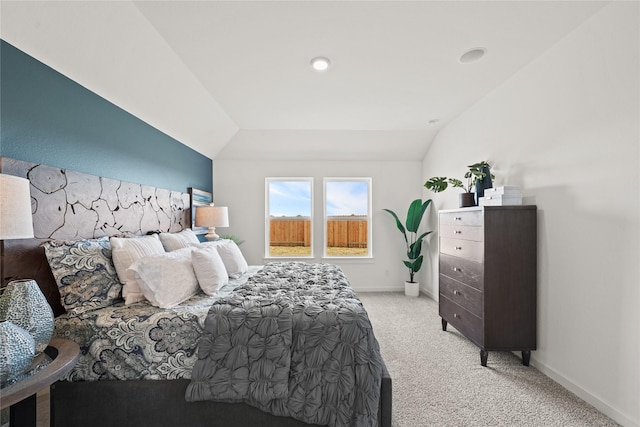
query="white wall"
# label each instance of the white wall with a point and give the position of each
(240, 185)
(566, 129)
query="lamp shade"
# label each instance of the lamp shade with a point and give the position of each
(15, 208)
(212, 216)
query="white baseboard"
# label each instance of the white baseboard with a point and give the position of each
(428, 294)
(600, 405)
(378, 289)
(393, 289)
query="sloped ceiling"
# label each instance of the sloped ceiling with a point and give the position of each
(232, 79)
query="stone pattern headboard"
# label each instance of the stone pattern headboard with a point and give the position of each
(69, 205)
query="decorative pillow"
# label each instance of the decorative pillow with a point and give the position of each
(166, 279)
(233, 259)
(182, 239)
(126, 251)
(210, 270)
(84, 272)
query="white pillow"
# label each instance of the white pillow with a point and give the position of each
(166, 279)
(126, 251)
(210, 270)
(175, 241)
(233, 259)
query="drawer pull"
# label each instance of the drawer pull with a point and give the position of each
(457, 218)
(457, 232)
(458, 248)
(457, 269)
(456, 315)
(456, 292)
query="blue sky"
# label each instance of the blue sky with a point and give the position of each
(347, 198)
(292, 198)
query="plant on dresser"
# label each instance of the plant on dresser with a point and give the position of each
(477, 175)
(487, 280)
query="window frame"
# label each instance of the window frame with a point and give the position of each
(369, 182)
(267, 236)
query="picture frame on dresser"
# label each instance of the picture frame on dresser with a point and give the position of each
(487, 276)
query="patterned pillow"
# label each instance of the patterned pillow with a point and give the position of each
(84, 272)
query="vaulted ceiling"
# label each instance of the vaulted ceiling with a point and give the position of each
(232, 79)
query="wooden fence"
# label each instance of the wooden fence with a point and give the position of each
(342, 231)
(290, 231)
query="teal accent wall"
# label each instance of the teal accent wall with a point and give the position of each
(47, 118)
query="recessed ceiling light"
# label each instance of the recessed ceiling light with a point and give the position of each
(472, 55)
(320, 63)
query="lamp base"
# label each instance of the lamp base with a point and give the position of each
(211, 235)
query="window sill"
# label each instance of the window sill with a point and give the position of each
(332, 260)
(349, 260)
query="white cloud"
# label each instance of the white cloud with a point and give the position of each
(347, 198)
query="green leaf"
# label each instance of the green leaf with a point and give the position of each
(455, 182)
(416, 247)
(417, 264)
(437, 184)
(398, 224)
(415, 213)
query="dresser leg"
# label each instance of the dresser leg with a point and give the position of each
(444, 324)
(483, 357)
(526, 356)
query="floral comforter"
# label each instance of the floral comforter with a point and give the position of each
(139, 341)
(294, 341)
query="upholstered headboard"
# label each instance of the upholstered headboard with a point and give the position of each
(69, 205)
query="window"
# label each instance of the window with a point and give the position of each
(347, 217)
(289, 205)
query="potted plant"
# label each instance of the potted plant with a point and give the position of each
(476, 173)
(233, 237)
(482, 177)
(413, 242)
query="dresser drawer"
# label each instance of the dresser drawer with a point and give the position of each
(462, 217)
(464, 232)
(462, 270)
(468, 324)
(463, 295)
(462, 248)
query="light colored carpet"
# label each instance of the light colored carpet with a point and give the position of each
(438, 380)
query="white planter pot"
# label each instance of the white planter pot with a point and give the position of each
(412, 289)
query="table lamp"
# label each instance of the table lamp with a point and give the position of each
(212, 216)
(15, 208)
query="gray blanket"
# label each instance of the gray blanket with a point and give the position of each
(293, 341)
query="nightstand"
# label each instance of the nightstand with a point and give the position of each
(21, 395)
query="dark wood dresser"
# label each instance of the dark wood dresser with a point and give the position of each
(488, 276)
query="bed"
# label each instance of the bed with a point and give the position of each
(146, 365)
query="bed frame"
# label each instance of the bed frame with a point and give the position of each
(72, 205)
